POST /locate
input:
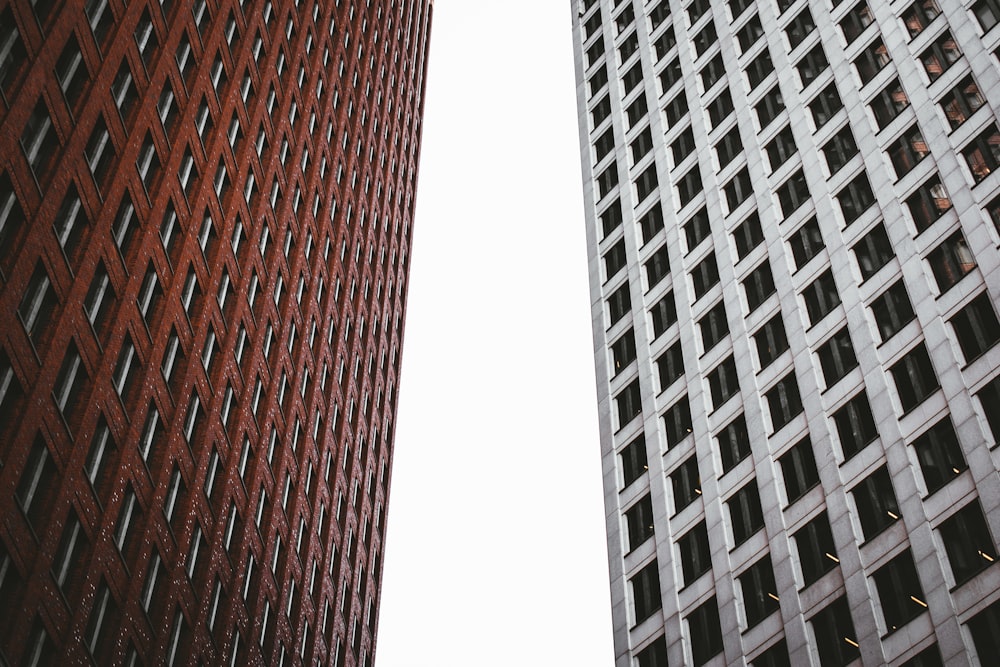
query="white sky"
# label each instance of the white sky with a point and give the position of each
(495, 550)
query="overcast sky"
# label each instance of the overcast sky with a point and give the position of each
(495, 550)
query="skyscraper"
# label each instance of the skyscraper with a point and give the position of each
(792, 224)
(205, 217)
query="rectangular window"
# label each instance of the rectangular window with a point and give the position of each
(738, 189)
(704, 276)
(686, 484)
(836, 639)
(39, 141)
(670, 365)
(784, 401)
(71, 385)
(812, 65)
(839, 150)
(817, 555)
(906, 151)
(748, 235)
(855, 425)
(713, 72)
(951, 261)
(770, 341)
(759, 68)
(758, 286)
(919, 15)
(939, 454)
(989, 398)
(985, 628)
(123, 91)
(629, 403)
(873, 251)
(760, 593)
(38, 304)
(633, 461)
(71, 72)
(697, 229)
(622, 351)
(748, 35)
(888, 103)
(982, 154)
(645, 587)
(677, 422)
(976, 327)
(871, 61)
(720, 108)
(987, 12)
(876, 503)
(793, 193)
(705, 38)
(781, 148)
(639, 522)
(962, 101)
(798, 470)
(713, 326)
(821, 296)
(892, 310)
(689, 186)
(723, 382)
(856, 198)
(806, 242)
(619, 304)
(825, 105)
(799, 27)
(769, 106)
(706, 632)
(968, 542)
(641, 145)
(696, 559)
(657, 267)
(36, 490)
(670, 75)
(663, 314)
(745, 513)
(734, 443)
(940, 55)
(610, 219)
(836, 357)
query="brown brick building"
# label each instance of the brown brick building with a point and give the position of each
(205, 219)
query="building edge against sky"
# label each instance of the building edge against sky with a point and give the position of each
(793, 219)
(205, 223)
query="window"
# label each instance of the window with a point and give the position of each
(976, 327)
(654, 655)
(729, 147)
(657, 267)
(939, 455)
(611, 217)
(704, 276)
(940, 55)
(98, 466)
(836, 357)
(738, 189)
(781, 148)
(145, 38)
(696, 559)
(919, 15)
(677, 422)
(889, 103)
(806, 242)
(962, 101)
(760, 593)
(873, 251)
(13, 55)
(38, 303)
(670, 365)
(713, 72)
(770, 341)
(676, 109)
(686, 483)
(769, 106)
(663, 314)
(671, 74)
(775, 656)
(987, 13)
(71, 384)
(697, 229)
(633, 460)
(635, 111)
(713, 326)
(619, 304)
(639, 520)
(982, 154)
(951, 261)
(629, 403)
(759, 68)
(646, 183)
(968, 542)
(839, 150)
(706, 632)
(720, 108)
(39, 140)
(836, 640)
(641, 145)
(607, 180)
(646, 592)
(985, 628)
(632, 78)
(989, 397)
(614, 259)
(855, 21)
(745, 513)
(723, 382)
(623, 351)
(38, 485)
(758, 286)
(799, 27)
(598, 80)
(70, 223)
(856, 198)
(628, 46)
(876, 503)
(793, 193)
(149, 297)
(817, 555)
(821, 297)
(706, 37)
(749, 33)
(71, 71)
(855, 425)
(689, 186)
(734, 443)
(928, 203)
(600, 112)
(748, 235)
(798, 470)
(825, 105)
(784, 401)
(812, 65)
(148, 162)
(651, 223)
(871, 61)
(909, 149)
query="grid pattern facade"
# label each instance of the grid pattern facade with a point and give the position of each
(205, 221)
(792, 224)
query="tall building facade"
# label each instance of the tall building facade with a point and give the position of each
(205, 222)
(793, 219)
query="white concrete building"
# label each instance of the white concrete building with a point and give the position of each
(793, 220)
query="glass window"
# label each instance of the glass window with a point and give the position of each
(817, 555)
(798, 469)
(968, 542)
(855, 425)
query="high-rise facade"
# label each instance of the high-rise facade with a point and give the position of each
(793, 219)
(205, 219)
